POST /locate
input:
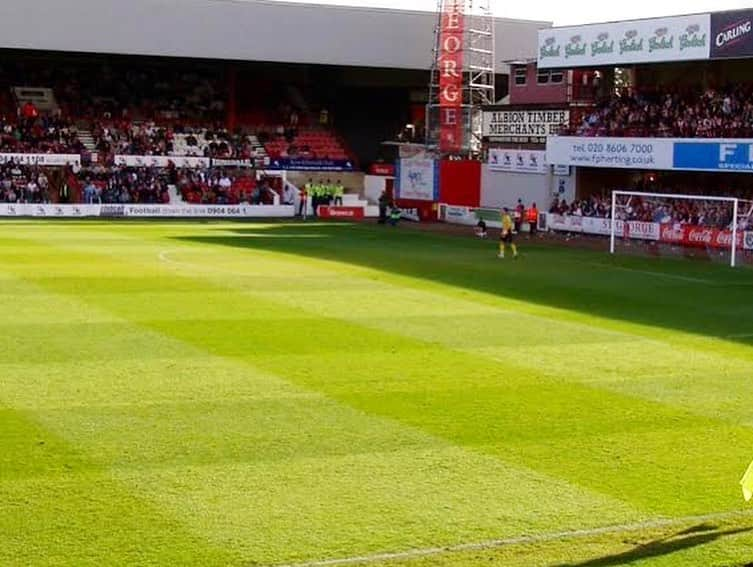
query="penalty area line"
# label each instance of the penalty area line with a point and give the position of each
(655, 274)
(521, 540)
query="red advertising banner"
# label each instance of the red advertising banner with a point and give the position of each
(700, 237)
(451, 76)
(341, 212)
(386, 169)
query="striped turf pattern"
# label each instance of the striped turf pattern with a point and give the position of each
(263, 394)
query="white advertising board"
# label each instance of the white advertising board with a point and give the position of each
(523, 126)
(52, 160)
(146, 211)
(624, 153)
(518, 161)
(681, 38)
(162, 161)
(600, 226)
(417, 179)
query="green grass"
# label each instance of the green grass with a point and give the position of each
(267, 394)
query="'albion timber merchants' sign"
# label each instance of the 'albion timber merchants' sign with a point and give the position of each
(524, 126)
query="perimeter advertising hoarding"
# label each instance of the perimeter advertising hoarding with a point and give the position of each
(732, 34)
(668, 154)
(681, 38)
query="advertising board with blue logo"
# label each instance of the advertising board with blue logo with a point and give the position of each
(717, 155)
(417, 179)
(665, 154)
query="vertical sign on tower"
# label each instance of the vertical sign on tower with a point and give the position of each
(451, 76)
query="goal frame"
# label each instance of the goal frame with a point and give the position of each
(735, 213)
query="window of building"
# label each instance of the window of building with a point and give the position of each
(556, 77)
(542, 77)
(520, 76)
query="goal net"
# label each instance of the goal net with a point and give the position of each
(719, 229)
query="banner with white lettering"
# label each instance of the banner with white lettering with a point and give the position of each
(518, 161)
(450, 63)
(523, 126)
(732, 34)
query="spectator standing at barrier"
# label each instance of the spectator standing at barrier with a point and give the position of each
(329, 192)
(256, 195)
(316, 198)
(32, 191)
(288, 195)
(90, 192)
(532, 216)
(303, 199)
(518, 215)
(384, 201)
(339, 192)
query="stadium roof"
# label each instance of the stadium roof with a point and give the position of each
(242, 30)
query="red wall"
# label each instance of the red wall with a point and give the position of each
(460, 183)
(533, 93)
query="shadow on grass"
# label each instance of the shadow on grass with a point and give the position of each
(688, 539)
(702, 299)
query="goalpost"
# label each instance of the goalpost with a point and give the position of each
(705, 221)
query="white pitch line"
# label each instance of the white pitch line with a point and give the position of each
(656, 274)
(164, 258)
(520, 540)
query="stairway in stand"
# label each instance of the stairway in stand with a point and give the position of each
(85, 135)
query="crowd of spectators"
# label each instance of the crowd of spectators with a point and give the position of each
(663, 210)
(44, 134)
(708, 114)
(215, 186)
(149, 139)
(23, 184)
(125, 185)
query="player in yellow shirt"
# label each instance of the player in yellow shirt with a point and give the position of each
(506, 236)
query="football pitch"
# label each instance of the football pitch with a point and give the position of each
(331, 394)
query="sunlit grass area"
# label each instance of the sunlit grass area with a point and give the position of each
(273, 394)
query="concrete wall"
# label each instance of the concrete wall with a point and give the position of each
(503, 189)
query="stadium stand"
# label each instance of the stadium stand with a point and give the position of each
(121, 108)
(20, 183)
(667, 210)
(710, 113)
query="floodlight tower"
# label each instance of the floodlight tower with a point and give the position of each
(462, 75)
